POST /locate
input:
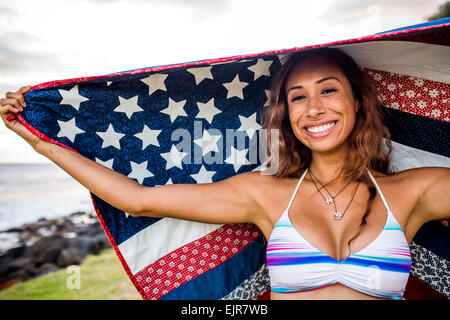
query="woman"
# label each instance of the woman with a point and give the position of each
(337, 223)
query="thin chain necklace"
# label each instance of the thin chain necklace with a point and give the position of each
(337, 214)
(331, 199)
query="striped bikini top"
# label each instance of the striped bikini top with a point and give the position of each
(381, 269)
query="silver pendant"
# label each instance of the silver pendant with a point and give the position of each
(329, 201)
(338, 215)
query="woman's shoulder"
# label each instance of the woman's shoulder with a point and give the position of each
(411, 175)
(259, 179)
(266, 189)
(412, 181)
(271, 193)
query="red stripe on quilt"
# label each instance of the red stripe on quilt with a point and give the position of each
(416, 289)
(411, 94)
(194, 259)
(265, 295)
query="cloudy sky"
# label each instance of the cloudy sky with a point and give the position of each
(58, 39)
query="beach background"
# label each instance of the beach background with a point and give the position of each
(31, 191)
(58, 39)
(47, 226)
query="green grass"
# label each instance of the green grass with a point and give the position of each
(101, 277)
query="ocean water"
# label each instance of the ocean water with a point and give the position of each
(29, 192)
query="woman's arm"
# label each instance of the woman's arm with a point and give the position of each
(227, 201)
(109, 185)
(434, 202)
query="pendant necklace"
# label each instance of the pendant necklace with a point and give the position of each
(331, 199)
(337, 214)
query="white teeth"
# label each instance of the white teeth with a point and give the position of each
(321, 128)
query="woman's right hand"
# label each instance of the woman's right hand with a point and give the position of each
(13, 103)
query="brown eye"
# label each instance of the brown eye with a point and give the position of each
(329, 90)
(297, 98)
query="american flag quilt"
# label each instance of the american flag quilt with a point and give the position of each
(196, 122)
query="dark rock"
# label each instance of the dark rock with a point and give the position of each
(40, 247)
(15, 252)
(95, 230)
(15, 229)
(48, 245)
(10, 267)
(20, 263)
(45, 268)
(68, 257)
(78, 213)
(49, 255)
(100, 242)
(5, 261)
(84, 243)
(83, 232)
(66, 224)
(21, 275)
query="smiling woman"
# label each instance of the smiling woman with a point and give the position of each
(336, 80)
(331, 134)
(332, 128)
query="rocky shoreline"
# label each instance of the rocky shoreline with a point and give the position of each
(35, 249)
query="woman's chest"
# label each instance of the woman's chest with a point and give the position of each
(314, 219)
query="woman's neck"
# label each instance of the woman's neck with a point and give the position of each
(327, 166)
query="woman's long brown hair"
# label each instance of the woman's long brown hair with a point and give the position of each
(366, 138)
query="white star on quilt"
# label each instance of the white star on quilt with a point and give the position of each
(173, 158)
(68, 129)
(203, 175)
(201, 73)
(235, 88)
(72, 97)
(208, 142)
(261, 68)
(207, 110)
(175, 109)
(108, 163)
(249, 125)
(148, 136)
(139, 171)
(110, 137)
(237, 158)
(128, 106)
(155, 82)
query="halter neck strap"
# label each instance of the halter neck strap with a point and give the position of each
(379, 190)
(296, 188)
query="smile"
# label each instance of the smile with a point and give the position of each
(321, 130)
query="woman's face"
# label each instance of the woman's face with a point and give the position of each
(321, 105)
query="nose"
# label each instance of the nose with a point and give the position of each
(314, 107)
